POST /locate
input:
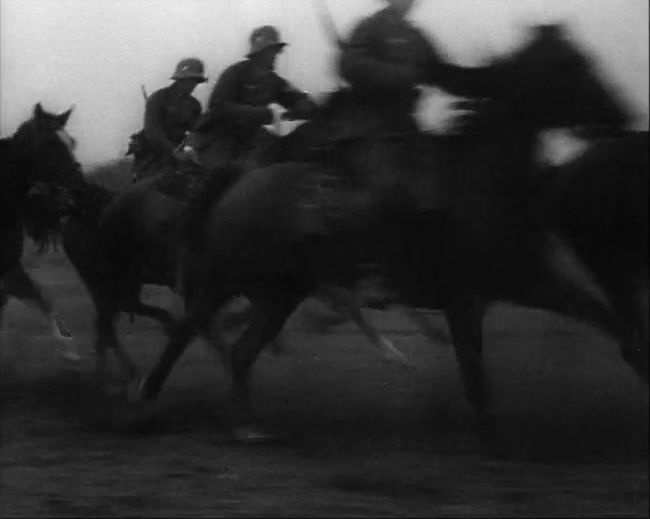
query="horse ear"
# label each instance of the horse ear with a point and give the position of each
(38, 111)
(63, 118)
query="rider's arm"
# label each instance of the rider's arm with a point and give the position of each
(195, 113)
(154, 124)
(455, 79)
(224, 100)
(298, 102)
(360, 65)
(463, 81)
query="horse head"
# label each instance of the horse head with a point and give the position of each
(42, 150)
(40, 159)
(552, 82)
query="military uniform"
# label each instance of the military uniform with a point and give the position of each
(238, 105)
(169, 114)
(384, 61)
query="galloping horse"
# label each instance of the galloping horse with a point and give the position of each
(37, 162)
(282, 231)
(109, 261)
(598, 203)
(119, 241)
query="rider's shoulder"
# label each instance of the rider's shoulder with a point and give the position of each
(158, 98)
(237, 68)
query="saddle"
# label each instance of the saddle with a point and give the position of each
(182, 182)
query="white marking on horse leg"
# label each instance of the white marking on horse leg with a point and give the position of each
(66, 346)
(23, 287)
(390, 353)
(571, 269)
(346, 300)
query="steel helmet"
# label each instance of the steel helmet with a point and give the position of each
(190, 68)
(263, 38)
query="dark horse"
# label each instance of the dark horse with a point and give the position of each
(116, 251)
(120, 241)
(37, 163)
(598, 203)
(280, 232)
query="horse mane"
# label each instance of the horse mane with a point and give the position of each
(89, 199)
(14, 196)
(8, 179)
(27, 131)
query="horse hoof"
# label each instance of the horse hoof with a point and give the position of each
(251, 435)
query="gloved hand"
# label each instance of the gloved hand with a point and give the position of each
(275, 126)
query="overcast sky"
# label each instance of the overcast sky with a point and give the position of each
(96, 53)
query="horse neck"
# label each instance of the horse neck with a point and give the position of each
(89, 201)
(503, 156)
(13, 182)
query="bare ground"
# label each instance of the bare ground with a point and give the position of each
(357, 437)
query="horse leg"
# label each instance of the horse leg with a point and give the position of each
(181, 335)
(465, 318)
(424, 324)
(158, 314)
(636, 354)
(347, 303)
(20, 285)
(567, 286)
(237, 318)
(268, 318)
(629, 299)
(321, 322)
(3, 300)
(105, 323)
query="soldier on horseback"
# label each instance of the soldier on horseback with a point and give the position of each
(170, 112)
(239, 105)
(384, 61)
(401, 172)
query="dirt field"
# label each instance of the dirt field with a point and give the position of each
(359, 438)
